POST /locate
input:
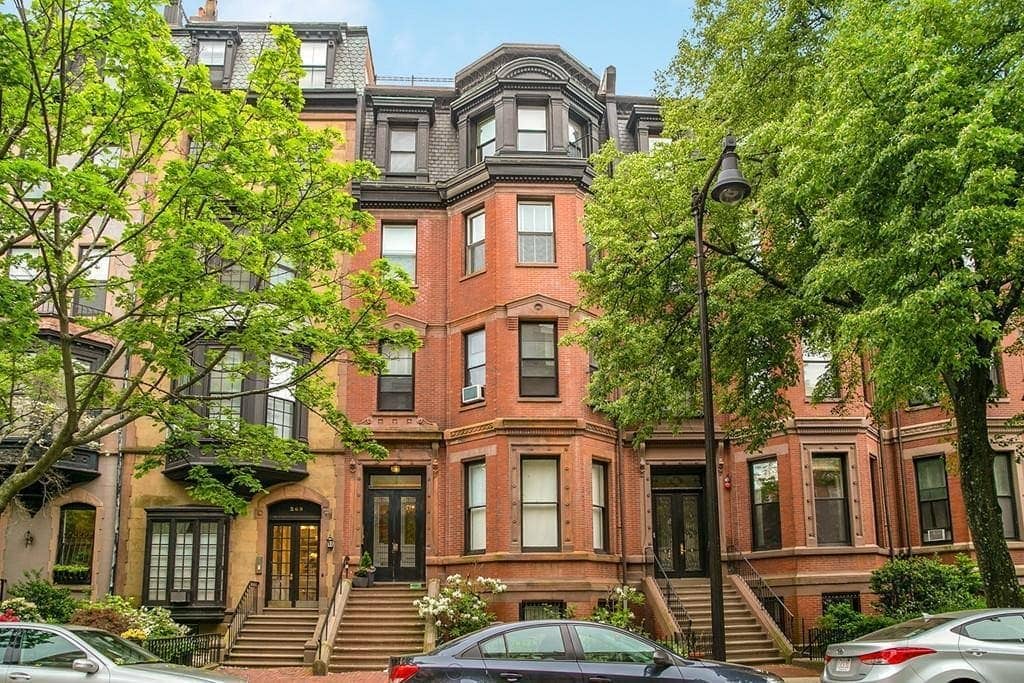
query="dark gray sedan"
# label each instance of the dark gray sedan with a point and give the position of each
(43, 653)
(561, 651)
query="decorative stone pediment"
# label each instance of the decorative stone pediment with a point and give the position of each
(397, 321)
(532, 69)
(538, 306)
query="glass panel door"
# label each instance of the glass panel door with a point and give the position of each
(678, 523)
(381, 527)
(663, 536)
(280, 563)
(692, 546)
(308, 560)
(395, 528)
(294, 564)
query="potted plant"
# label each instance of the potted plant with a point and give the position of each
(363, 575)
(71, 574)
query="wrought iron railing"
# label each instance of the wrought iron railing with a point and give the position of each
(770, 601)
(247, 604)
(696, 643)
(192, 650)
(816, 641)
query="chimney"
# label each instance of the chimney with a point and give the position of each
(208, 12)
(174, 14)
(608, 82)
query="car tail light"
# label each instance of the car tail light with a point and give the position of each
(403, 672)
(895, 655)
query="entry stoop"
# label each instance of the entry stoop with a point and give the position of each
(378, 622)
(274, 637)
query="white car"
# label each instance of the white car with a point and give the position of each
(43, 653)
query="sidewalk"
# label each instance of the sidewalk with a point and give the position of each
(794, 673)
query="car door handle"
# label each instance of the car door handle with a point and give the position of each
(510, 676)
(19, 676)
(599, 679)
(978, 653)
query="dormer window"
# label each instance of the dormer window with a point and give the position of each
(212, 53)
(402, 155)
(532, 129)
(485, 138)
(313, 56)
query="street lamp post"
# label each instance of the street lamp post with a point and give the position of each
(729, 188)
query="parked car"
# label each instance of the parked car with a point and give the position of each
(561, 651)
(42, 653)
(973, 646)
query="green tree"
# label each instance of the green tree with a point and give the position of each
(242, 242)
(884, 141)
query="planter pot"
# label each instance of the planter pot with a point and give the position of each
(361, 581)
(370, 577)
(71, 577)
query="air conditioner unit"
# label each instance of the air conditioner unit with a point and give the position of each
(932, 535)
(181, 597)
(472, 393)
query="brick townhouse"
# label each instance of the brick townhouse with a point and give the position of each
(497, 466)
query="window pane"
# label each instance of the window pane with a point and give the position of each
(281, 372)
(536, 249)
(315, 77)
(538, 340)
(597, 483)
(478, 529)
(77, 530)
(183, 542)
(403, 140)
(536, 643)
(477, 493)
(540, 525)
(532, 142)
(313, 54)
(832, 523)
(765, 479)
(535, 217)
(1001, 469)
(207, 565)
(598, 523)
(399, 360)
(485, 131)
(18, 268)
(1008, 628)
(211, 52)
(931, 478)
(159, 552)
(540, 480)
(47, 650)
(604, 645)
(398, 246)
(828, 477)
(533, 118)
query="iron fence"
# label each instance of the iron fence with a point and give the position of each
(192, 650)
(817, 640)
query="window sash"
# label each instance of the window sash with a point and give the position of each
(476, 357)
(396, 386)
(539, 504)
(599, 502)
(402, 154)
(832, 513)
(1003, 465)
(476, 507)
(212, 52)
(536, 232)
(186, 553)
(486, 135)
(764, 496)
(225, 379)
(76, 542)
(21, 271)
(577, 142)
(538, 359)
(398, 247)
(933, 497)
(532, 129)
(476, 233)
(313, 56)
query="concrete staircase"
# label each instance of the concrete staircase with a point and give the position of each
(274, 637)
(378, 622)
(746, 641)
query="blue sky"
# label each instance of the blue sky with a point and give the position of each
(438, 37)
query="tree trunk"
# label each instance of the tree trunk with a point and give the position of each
(970, 395)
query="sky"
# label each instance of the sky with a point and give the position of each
(438, 37)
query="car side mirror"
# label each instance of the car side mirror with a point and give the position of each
(85, 666)
(661, 659)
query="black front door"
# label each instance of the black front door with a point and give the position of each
(394, 524)
(293, 550)
(679, 523)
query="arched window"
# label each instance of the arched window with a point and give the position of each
(75, 544)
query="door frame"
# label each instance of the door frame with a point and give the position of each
(292, 513)
(388, 574)
(676, 494)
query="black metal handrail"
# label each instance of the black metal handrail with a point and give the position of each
(197, 649)
(325, 636)
(247, 604)
(3, 588)
(695, 642)
(770, 601)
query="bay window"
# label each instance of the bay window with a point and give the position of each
(186, 559)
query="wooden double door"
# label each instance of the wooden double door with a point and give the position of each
(293, 567)
(678, 511)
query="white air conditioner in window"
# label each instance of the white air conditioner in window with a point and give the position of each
(932, 535)
(472, 393)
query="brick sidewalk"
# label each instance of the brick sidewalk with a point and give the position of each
(293, 674)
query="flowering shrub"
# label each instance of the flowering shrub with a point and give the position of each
(136, 634)
(154, 622)
(460, 608)
(19, 609)
(618, 610)
(54, 603)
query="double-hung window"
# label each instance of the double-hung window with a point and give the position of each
(576, 145)
(599, 504)
(398, 247)
(536, 232)
(20, 267)
(313, 56)
(764, 490)
(476, 233)
(484, 145)
(395, 386)
(281, 397)
(186, 560)
(1003, 468)
(818, 369)
(225, 386)
(91, 298)
(281, 272)
(402, 150)
(476, 507)
(532, 129)
(212, 53)
(538, 359)
(831, 510)
(540, 504)
(476, 358)
(933, 499)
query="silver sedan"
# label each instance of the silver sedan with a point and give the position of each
(973, 646)
(42, 653)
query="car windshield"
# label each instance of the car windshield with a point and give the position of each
(117, 650)
(907, 629)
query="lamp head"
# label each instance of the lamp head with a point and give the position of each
(731, 187)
